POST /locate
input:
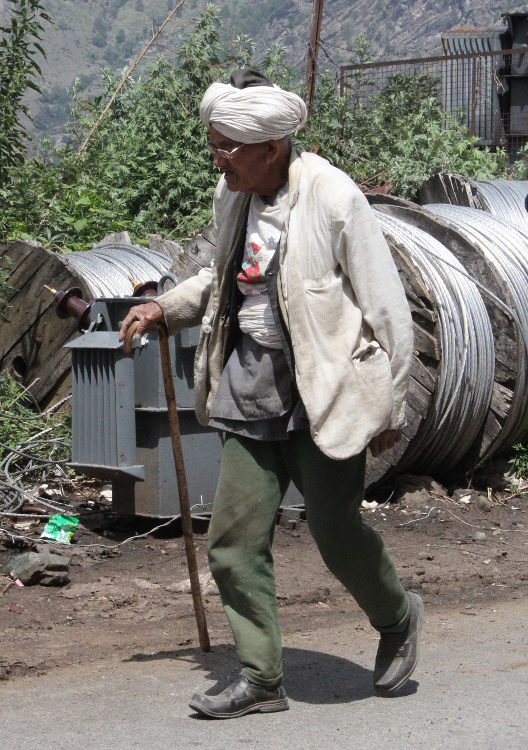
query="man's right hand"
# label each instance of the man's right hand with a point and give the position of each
(150, 317)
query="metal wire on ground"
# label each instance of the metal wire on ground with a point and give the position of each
(37, 456)
(107, 269)
(506, 249)
(465, 381)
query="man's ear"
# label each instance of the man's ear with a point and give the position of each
(272, 151)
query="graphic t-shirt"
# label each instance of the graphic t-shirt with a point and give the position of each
(264, 229)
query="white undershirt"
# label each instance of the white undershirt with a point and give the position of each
(264, 229)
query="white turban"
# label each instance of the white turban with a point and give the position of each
(254, 114)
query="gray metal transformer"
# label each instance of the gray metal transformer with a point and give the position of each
(120, 429)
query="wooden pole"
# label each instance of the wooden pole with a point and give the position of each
(183, 492)
(313, 51)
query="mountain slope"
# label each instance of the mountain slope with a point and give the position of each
(92, 33)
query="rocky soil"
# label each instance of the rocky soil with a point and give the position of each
(463, 550)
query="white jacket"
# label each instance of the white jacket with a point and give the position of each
(340, 297)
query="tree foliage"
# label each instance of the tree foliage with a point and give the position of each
(146, 168)
(401, 135)
(19, 71)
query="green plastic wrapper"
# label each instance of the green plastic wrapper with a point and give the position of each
(60, 528)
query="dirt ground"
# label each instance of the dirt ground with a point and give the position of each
(458, 550)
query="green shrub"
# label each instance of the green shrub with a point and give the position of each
(400, 136)
(519, 460)
(19, 421)
(19, 71)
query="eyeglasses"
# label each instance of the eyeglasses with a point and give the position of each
(222, 152)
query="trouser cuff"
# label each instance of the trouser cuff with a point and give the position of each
(403, 615)
(269, 684)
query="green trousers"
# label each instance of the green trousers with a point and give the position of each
(254, 477)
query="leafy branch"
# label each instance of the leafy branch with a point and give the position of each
(19, 71)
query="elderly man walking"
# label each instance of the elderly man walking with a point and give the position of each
(303, 361)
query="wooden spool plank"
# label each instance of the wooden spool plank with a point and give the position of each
(414, 420)
(425, 343)
(19, 267)
(32, 300)
(167, 247)
(501, 400)
(491, 432)
(185, 267)
(422, 385)
(200, 250)
(450, 188)
(395, 455)
(422, 375)
(32, 337)
(419, 398)
(377, 469)
(419, 312)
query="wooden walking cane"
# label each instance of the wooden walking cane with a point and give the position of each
(183, 492)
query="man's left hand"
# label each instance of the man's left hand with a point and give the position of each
(384, 441)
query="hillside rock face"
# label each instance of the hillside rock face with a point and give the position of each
(395, 27)
(90, 34)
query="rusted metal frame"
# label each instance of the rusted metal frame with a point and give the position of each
(439, 58)
(421, 60)
(472, 129)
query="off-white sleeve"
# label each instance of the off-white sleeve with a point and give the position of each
(365, 258)
(185, 305)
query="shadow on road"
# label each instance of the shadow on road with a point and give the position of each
(310, 676)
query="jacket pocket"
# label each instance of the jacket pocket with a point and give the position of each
(324, 297)
(375, 368)
(319, 282)
(366, 352)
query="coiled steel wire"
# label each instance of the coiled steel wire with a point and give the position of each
(465, 381)
(506, 199)
(506, 249)
(107, 270)
(28, 453)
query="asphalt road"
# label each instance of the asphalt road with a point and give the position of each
(469, 691)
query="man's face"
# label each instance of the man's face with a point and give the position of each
(245, 169)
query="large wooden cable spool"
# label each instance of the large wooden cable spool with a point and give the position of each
(32, 336)
(424, 371)
(505, 334)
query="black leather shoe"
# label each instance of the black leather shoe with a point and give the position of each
(398, 652)
(240, 698)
